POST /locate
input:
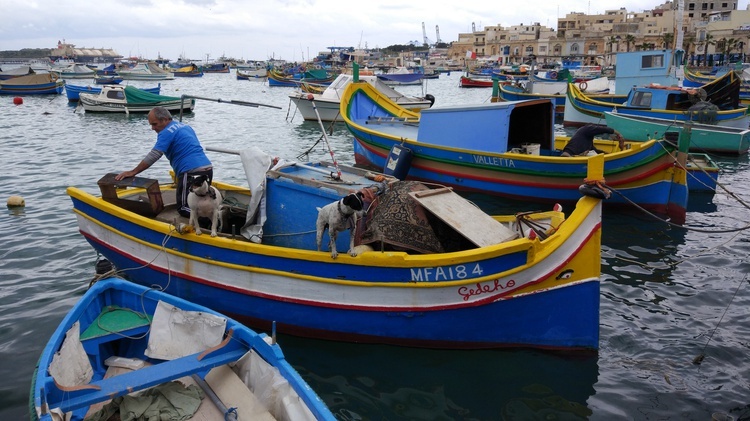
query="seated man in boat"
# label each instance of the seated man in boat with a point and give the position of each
(179, 143)
(582, 142)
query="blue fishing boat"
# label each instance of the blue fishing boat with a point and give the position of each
(505, 149)
(73, 91)
(716, 103)
(34, 84)
(457, 280)
(121, 338)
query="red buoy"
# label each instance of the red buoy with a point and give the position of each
(18, 100)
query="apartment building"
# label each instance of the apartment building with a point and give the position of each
(704, 27)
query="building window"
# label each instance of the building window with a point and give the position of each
(652, 61)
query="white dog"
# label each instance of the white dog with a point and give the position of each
(204, 201)
(339, 216)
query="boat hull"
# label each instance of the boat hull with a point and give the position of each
(115, 317)
(518, 293)
(643, 175)
(703, 138)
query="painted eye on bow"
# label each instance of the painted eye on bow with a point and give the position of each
(566, 274)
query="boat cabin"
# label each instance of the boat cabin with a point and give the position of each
(496, 127)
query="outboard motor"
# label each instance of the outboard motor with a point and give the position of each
(430, 98)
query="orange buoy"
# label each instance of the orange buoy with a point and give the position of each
(18, 100)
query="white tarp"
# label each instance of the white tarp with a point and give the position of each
(176, 333)
(70, 366)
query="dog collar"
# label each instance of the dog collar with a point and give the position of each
(211, 193)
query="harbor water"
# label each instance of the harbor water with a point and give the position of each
(669, 295)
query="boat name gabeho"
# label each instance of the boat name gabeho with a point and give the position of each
(480, 289)
(494, 161)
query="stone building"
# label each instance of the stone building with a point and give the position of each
(707, 28)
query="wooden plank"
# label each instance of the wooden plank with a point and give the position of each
(235, 394)
(467, 219)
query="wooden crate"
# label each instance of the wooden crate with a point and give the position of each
(149, 204)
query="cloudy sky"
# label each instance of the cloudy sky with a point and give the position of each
(292, 30)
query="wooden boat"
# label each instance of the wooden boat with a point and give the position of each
(328, 102)
(703, 138)
(505, 149)
(75, 71)
(190, 70)
(252, 74)
(714, 103)
(511, 75)
(145, 71)
(121, 338)
(401, 76)
(107, 79)
(129, 99)
(16, 72)
(487, 283)
(73, 91)
(597, 89)
(36, 84)
(475, 82)
(216, 68)
(703, 173)
(275, 78)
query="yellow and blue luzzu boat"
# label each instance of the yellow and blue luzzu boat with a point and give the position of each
(446, 280)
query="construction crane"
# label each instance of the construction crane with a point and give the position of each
(437, 33)
(426, 41)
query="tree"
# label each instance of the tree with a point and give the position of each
(668, 39)
(613, 39)
(629, 39)
(709, 40)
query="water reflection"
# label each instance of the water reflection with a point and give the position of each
(426, 384)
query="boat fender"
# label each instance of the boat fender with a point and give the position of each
(16, 202)
(430, 98)
(595, 190)
(583, 86)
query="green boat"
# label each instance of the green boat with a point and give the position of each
(704, 137)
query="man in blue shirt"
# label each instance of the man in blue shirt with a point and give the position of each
(183, 150)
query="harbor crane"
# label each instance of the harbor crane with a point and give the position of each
(437, 33)
(426, 41)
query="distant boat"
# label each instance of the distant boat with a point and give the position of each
(36, 84)
(252, 74)
(475, 82)
(401, 76)
(597, 89)
(145, 71)
(76, 71)
(129, 99)
(216, 68)
(190, 70)
(327, 103)
(16, 72)
(73, 91)
(122, 339)
(107, 79)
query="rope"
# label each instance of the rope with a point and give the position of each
(709, 231)
(699, 358)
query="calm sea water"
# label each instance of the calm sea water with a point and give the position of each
(668, 294)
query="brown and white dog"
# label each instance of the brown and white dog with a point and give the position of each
(204, 200)
(336, 217)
